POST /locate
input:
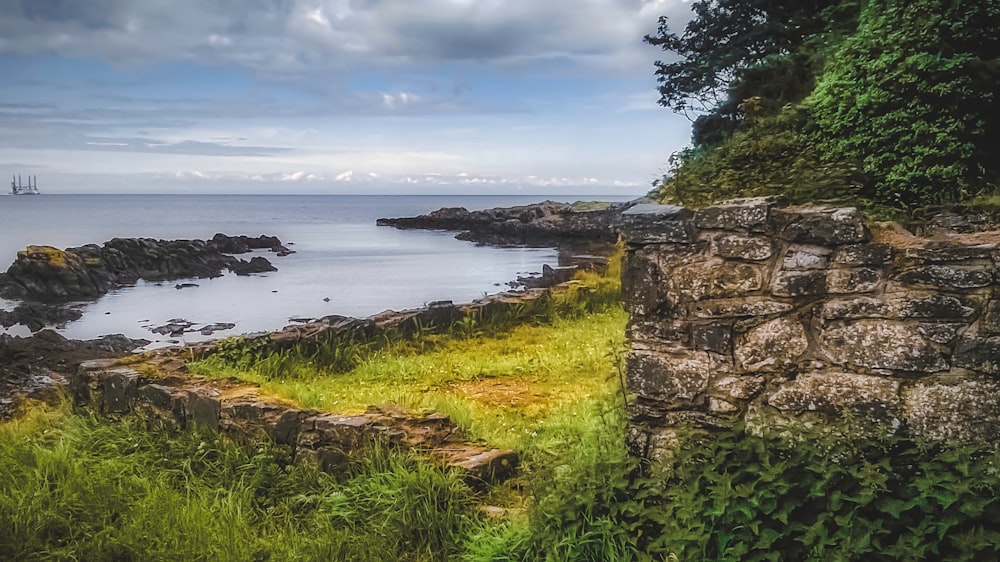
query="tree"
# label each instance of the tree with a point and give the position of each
(735, 49)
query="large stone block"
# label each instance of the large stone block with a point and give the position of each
(863, 254)
(948, 252)
(750, 248)
(978, 354)
(948, 277)
(739, 308)
(821, 225)
(822, 282)
(677, 381)
(712, 279)
(954, 412)
(833, 392)
(716, 337)
(737, 214)
(652, 224)
(990, 324)
(880, 344)
(932, 306)
(641, 282)
(802, 257)
(119, 388)
(772, 346)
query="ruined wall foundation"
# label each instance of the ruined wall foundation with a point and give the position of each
(779, 315)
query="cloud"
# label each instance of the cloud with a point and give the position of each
(305, 36)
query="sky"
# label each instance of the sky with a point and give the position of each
(335, 96)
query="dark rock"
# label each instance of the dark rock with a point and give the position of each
(48, 274)
(750, 248)
(210, 329)
(256, 264)
(947, 276)
(821, 225)
(544, 224)
(738, 214)
(185, 285)
(712, 337)
(978, 354)
(863, 254)
(655, 224)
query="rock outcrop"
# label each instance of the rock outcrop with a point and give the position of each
(782, 315)
(544, 224)
(47, 274)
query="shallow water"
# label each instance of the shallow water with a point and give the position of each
(341, 256)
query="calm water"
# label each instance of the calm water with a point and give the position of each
(342, 256)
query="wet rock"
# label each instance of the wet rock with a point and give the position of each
(978, 354)
(256, 264)
(209, 329)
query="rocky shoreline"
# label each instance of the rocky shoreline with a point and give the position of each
(539, 225)
(46, 280)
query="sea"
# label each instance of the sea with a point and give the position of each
(344, 264)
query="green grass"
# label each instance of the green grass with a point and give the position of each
(77, 488)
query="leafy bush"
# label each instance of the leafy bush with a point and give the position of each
(911, 98)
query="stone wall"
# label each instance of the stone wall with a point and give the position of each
(781, 314)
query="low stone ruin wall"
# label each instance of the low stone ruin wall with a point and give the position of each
(776, 314)
(323, 441)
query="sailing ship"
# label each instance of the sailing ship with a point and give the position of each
(17, 188)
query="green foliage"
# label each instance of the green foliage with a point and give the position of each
(75, 488)
(911, 98)
(767, 155)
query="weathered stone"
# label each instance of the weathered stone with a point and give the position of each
(714, 278)
(641, 282)
(712, 337)
(650, 223)
(945, 252)
(881, 344)
(947, 277)
(863, 254)
(739, 308)
(488, 466)
(978, 354)
(857, 307)
(739, 388)
(801, 257)
(203, 409)
(821, 225)
(821, 282)
(678, 381)
(119, 385)
(860, 280)
(773, 345)
(966, 411)
(799, 283)
(750, 248)
(738, 214)
(671, 333)
(719, 406)
(940, 332)
(876, 398)
(935, 306)
(990, 323)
